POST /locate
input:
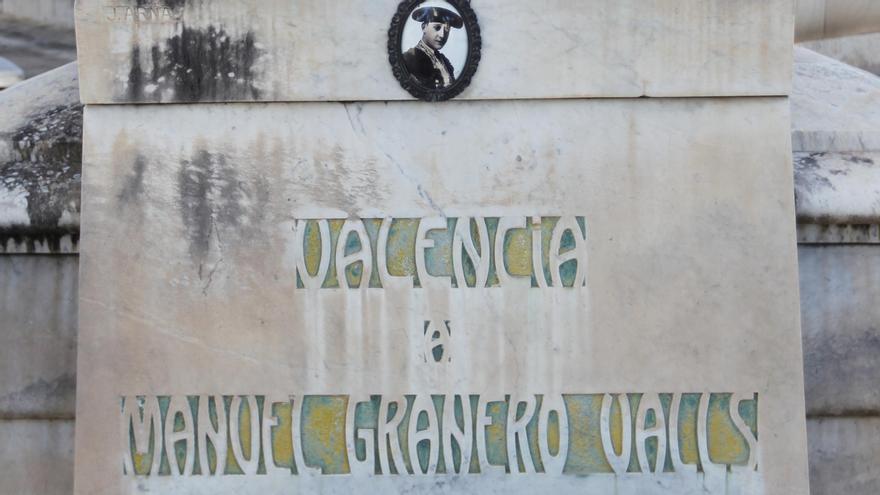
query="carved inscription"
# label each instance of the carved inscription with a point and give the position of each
(438, 336)
(156, 12)
(425, 434)
(466, 252)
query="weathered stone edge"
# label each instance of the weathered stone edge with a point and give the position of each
(41, 164)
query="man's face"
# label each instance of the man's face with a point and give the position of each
(436, 34)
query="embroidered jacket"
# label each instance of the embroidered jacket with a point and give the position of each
(430, 67)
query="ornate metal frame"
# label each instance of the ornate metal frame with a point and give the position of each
(395, 52)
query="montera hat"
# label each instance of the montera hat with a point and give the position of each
(438, 14)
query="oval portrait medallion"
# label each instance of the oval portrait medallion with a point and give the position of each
(434, 47)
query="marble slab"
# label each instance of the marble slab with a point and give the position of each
(313, 50)
(491, 297)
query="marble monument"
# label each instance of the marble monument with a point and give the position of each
(296, 277)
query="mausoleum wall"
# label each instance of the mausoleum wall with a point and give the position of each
(40, 157)
(836, 136)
